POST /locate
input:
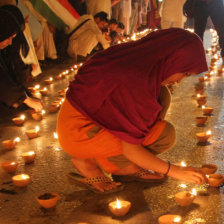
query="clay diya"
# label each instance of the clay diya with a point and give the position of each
(207, 110)
(119, 208)
(209, 168)
(48, 81)
(170, 219)
(53, 108)
(58, 77)
(38, 116)
(201, 120)
(47, 200)
(201, 102)
(32, 133)
(28, 157)
(10, 144)
(44, 91)
(19, 120)
(21, 180)
(185, 198)
(214, 180)
(203, 136)
(9, 167)
(34, 89)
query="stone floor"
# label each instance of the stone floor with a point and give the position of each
(48, 172)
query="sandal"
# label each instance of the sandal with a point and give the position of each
(156, 177)
(81, 181)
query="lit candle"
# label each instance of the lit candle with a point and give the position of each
(19, 120)
(28, 157)
(119, 208)
(10, 144)
(21, 180)
(209, 168)
(170, 219)
(185, 198)
(214, 180)
(48, 81)
(204, 136)
(207, 110)
(53, 108)
(44, 91)
(38, 115)
(47, 200)
(9, 167)
(55, 135)
(201, 120)
(183, 185)
(201, 99)
(32, 133)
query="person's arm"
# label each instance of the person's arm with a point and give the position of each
(145, 159)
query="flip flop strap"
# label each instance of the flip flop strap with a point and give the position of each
(92, 180)
(142, 172)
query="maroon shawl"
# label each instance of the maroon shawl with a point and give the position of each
(119, 88)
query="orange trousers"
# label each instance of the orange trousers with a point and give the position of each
(73, 129)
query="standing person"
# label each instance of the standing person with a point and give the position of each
(113, 115)
(13, 71)
(172, 14)
(214, 9)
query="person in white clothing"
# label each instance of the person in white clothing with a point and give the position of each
(88, 35)
(172, 14)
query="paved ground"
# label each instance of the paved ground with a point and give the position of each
(48, 172)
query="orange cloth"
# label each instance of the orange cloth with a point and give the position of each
(72, 129)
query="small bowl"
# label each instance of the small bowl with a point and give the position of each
(207, 110)
(37, 116)
(202, 137)
(201, 102)
(214, 180)
(9, 144)
(201, 120)
(18, 121)
(9, 167)
(209, 168)
(47, 200)
(53, 108)
(21, 180)
(32, 133)
(184, 198)
(169, 219)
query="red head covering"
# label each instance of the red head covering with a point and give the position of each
(119, 88)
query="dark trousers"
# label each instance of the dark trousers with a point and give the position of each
(215, 10)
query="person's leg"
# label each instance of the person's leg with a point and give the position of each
(216, 10)
(200, 18)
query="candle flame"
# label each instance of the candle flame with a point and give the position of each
(203, 107)
(37, 128)
(44, 89)
(36, 86)
(43, 112)
(51, 79)
(183, 164)
(198, 95)
(22, 117)
(12, 163)
(75, 66)
(31, 153)
(81, 64)
(118, 204)
(17, 139)
(194, 192)
(177, 219)
(23, 176)
(183, 185)
(209, 132)
(207, 176)
(205, 78)
(55, 135)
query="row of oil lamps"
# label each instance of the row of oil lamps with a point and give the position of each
(118, 207)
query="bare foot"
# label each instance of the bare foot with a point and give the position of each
(90, 168)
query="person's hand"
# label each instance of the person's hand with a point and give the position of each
(187, 174)
(36, 104)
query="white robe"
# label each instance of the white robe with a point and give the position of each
(172, 14)
(95, 6)
(86, 38)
